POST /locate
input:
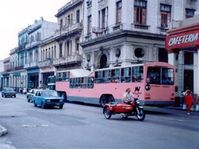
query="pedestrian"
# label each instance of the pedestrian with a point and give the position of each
(189, 101)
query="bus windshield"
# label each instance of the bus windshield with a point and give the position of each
(160, 75)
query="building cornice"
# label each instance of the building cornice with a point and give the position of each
(121, 34)
(70, 5)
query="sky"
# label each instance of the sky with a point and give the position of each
(16, 15)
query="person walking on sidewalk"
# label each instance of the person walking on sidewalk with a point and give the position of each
(189, 101)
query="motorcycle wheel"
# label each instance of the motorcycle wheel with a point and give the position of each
(107, 113)
(140, 114)
(125, 116)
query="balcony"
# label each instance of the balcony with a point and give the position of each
(32, 44)
(73, 59)
(30, 65)
(19, 67)
(46, 63)
(69, 29)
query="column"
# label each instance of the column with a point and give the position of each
(92, 60)
(126, 54)
(196, 73)
(171, 58)
(111, 57)
(40, 80)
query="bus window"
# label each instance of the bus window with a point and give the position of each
(99, 77)
(167, 76)
(90, 82)
(126, 74)
(153, 74)
(58, 77)
(137, 74)
(64, 76)
(115, 75)
(84, 82)
(106, 75)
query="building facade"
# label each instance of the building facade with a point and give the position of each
(47, 53)
(120, 32)
(37, 32)
(182, 43)
(1, 71)
(6, 73)
(68, 37)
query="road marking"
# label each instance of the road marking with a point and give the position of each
(34, 125)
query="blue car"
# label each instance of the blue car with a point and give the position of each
(8, 92)
(46, 98)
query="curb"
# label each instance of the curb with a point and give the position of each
(3, 131)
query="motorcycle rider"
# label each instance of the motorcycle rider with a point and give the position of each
(128, 96)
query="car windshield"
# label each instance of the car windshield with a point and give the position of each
(49, 93)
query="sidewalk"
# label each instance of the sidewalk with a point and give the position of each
(180, 109)
(3, 131)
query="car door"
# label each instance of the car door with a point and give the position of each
(36, 98)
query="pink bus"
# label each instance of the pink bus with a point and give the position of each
(152, 82)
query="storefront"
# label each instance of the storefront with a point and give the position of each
(33, 78)
(182, 44)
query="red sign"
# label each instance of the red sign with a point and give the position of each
(181, 40)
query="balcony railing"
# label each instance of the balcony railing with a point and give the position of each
(68, 60)
(46, 63)
(68, 29)
(19, 67)
(29, 65)
(32, 44)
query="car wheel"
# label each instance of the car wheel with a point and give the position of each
(43, 106)
(1, 95)
(61, 106)
(35, 104)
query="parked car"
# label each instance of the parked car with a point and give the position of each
(31, 93)
(8, 92)
(45, 98)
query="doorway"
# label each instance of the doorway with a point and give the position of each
(103, 61)
(188, 79)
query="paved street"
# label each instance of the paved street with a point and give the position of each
(84, 127)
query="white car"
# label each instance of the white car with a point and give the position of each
(30, 94)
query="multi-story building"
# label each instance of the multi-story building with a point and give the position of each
(121, 32)
(182, 43)
(1, 71)
(14, 77)
(22, 41)
(6, 73)
(47, 53)
(37, 32)
(68, 37)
